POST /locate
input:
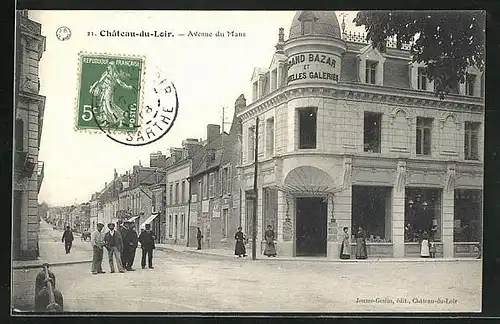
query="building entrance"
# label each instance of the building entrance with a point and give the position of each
(311, 231)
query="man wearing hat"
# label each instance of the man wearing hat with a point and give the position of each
(97, 241)
(130, 242)
(114, 245)
(120, 228)
(147, 239)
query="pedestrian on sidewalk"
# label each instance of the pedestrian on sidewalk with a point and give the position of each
(147, 239)
(361, 244)
(114, 245)
(97, 241)
(130, 243)
(240, 238)
(270, 249)
(345, 248)
(67, 239)
(199, 236)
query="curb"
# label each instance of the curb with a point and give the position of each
(378, 260)
(57, 264)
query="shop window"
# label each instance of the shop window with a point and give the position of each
(19, 136)
(421, 79)
(424, 130)
(251, 144)
(370, 72)
(270, 209)
(307, 128)
(422, 214)
(224, 223)
(372, 132)
(371, 209)
(470, 82)
(471, 141)
(270, 137)
(467, 216)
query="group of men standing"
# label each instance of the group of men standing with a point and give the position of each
(121, 245)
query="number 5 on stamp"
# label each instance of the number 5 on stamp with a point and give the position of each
(109, 92)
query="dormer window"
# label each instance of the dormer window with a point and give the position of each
(371, 72)
(418, 77)
(421, 79)
(472, 85)
(307, 27)
(470, 81)
(371, 66)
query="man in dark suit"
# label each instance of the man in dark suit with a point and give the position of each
(130, 243)
(147, 239)
(67, 239)
(114, 245)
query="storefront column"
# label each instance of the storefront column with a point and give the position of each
(398, 223)
(281, 216)
(243, 210)
(447, 217)
(260, 219)
(340, 211)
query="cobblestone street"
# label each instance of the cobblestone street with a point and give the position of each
(188, 282)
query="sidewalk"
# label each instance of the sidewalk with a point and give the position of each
(229, 253)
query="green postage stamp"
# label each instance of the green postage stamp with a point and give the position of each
(109, 92)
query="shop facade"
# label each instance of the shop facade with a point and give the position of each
(350, 135)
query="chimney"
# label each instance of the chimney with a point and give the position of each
(240, 103)
(192, 145)
(135, 168)
(281, 41)
(213, 132)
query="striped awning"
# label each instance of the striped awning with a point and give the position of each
(132, 219)
(149, 220)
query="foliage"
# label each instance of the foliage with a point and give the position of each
(446, 41)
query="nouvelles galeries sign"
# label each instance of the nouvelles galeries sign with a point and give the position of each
(313, 66)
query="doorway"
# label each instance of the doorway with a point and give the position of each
(311, 231)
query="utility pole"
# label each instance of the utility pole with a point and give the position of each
(254, 222)
(223, 119)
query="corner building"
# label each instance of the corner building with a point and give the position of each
(351, 135)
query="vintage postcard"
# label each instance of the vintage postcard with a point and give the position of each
(248, 161)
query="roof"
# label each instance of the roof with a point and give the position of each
(325, 23)
(200, 158)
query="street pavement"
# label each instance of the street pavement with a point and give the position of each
(197, 282)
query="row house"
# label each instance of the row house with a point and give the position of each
(205, 208)
(94, 215)
(28, 112)
(177, 188)
(354, 136)
(135, 200)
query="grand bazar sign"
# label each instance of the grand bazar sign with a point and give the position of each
(313, 66)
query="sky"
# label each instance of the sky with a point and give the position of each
(208, 73)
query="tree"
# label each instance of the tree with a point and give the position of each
(446, 41)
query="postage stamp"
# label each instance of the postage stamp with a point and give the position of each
(109, 92)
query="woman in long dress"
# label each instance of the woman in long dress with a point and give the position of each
(361, 244)
(424, 245)
(345, 248)
(240, 249)
(270, 249)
